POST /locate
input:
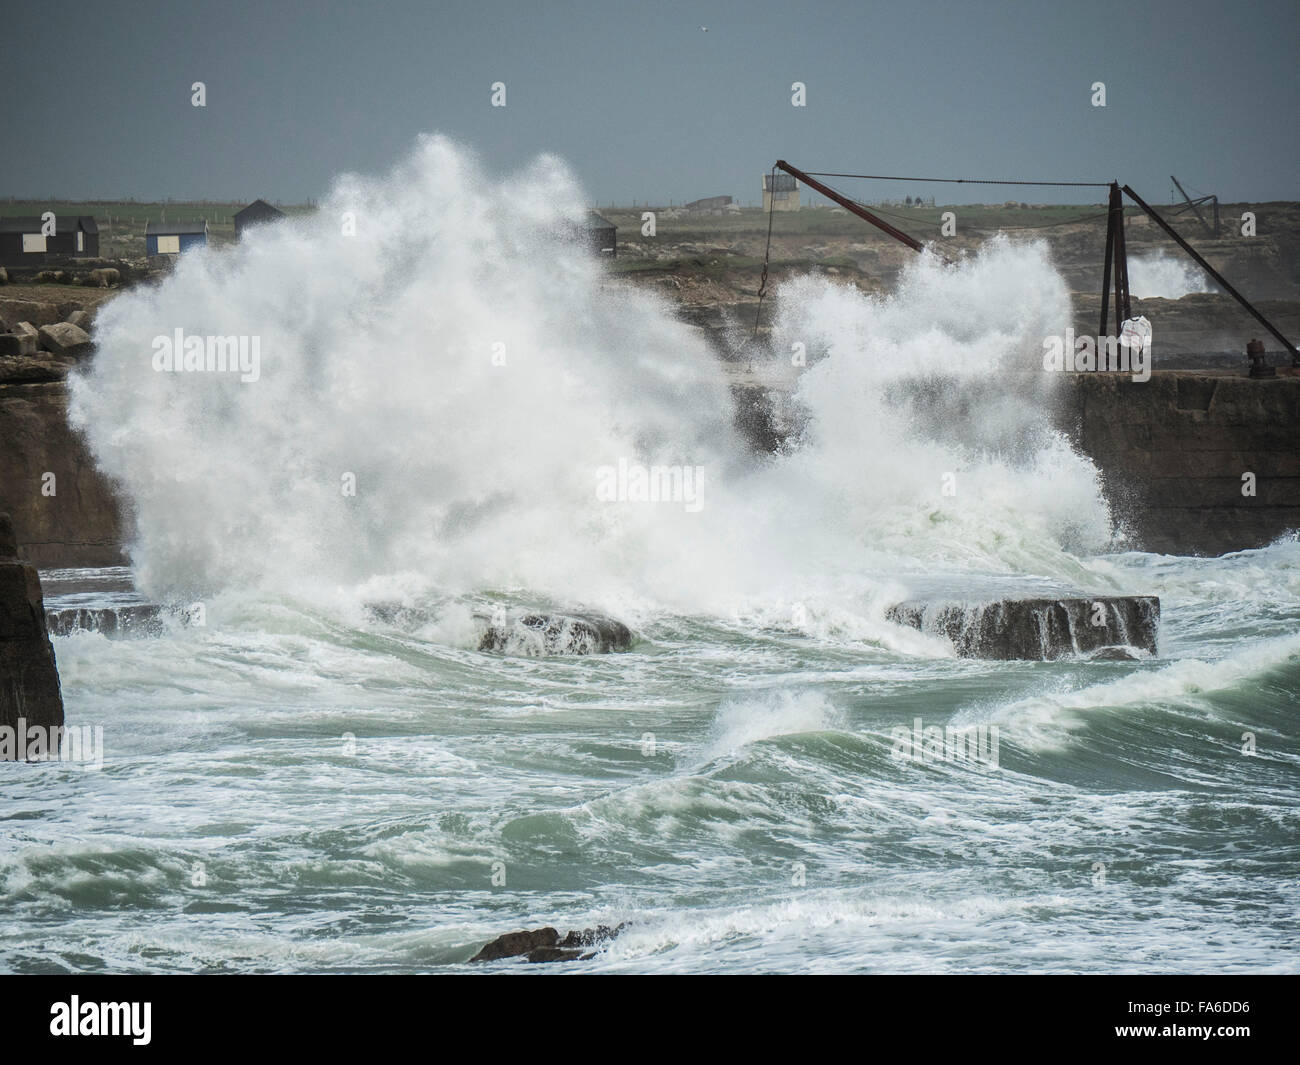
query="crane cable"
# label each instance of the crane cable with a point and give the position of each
(965, 181)
(767, 251)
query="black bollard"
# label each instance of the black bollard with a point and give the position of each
(1258, 367)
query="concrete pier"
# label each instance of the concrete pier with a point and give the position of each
(1193, 462)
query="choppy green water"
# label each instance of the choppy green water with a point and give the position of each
(286, 790)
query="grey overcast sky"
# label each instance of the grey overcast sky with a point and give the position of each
(644, 104)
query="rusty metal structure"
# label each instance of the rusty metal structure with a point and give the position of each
(851, 206)
(1116, 259)
(1218, 277)
(1194, 206)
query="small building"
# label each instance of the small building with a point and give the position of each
(602, 234)
(23, 244)
(710, 203)
(257, 213)
(780, 192)
(172, 238)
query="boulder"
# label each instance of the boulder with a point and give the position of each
(556, 634)
(4, 276)
(29, 680)
(546, 944)
(530, 634)
(17, 344)
(81, 319)
(64, 338)
(26, 329)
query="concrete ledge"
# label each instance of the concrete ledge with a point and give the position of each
(1039, 629)
(138, 620)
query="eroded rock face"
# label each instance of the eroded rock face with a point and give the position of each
(29, 679)
(1103, 627)
(546, 944)
(79, 524)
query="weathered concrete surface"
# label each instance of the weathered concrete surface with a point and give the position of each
(1174, 452)
(64, 338)
(17, 344)
(1039, 629)
(29, 678)
(80, 523)
(143, 619)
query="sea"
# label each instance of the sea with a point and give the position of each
(311, 766)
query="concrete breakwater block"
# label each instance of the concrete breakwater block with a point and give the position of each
(1103, 627)
(64, 338)
(142, 619)
(29, 679)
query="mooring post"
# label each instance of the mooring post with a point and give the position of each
(1259, 367)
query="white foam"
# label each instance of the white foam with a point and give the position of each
(377, 361)
(1160, 275)
(1048, 721)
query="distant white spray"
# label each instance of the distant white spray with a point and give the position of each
(1161, 276)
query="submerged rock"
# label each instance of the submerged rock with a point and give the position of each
(1039, 629)
(546, 944)
(557, 634)
(532, 634)
(29, 678)
(1113, 654)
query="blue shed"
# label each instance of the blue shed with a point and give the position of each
(172, 238)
